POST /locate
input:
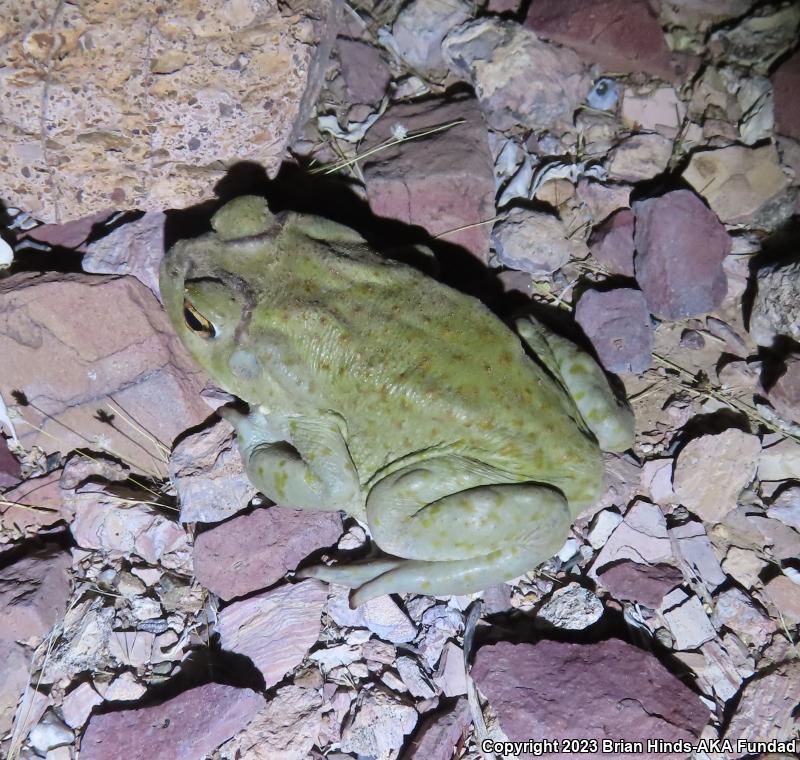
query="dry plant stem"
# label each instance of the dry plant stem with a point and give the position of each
(31, 507)
(467, 227)
(16, 730)
(162, 449)
(155, 475)
(383, 146)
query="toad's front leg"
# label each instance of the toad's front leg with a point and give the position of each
(297, 461)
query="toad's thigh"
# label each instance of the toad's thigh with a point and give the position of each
(439, 511)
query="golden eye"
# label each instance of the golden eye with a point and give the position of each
(196, 322)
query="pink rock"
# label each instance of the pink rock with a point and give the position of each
(632, 581)
(553, 690)
(601, 199)
(441, 182)
(253, 551)
(641, 537)
(611, 243)
(693, 546)
(10, 472)
(364, 70)
(450, 676)
(735, 610)
(41, 504)
(657, 480)
(78, 469)
(286, 729)
(785, 596)
(134, 248)
(78, 704)
(711, 471)
(620, 35)
(119, 529)
(785, 86)
(68, 234)
(33, 593)
(680, 248)
(186, 727)
(784, 394)
(75, 343)
(275, 629)
(617, 323)
(15, 669)
(767, 709)
(439, 734)
(208, 475)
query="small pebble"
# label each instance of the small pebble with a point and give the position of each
(692, 339)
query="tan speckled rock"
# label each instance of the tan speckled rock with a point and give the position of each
(145, 105)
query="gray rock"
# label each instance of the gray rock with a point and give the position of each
(693, 546)
(737, 611)
(776, 308)
(699, 15)
(518, 78)
(604, 94)
(617, 323)
(680, 248)
(572, 691)
(420, 28)
(572, 608)
(135, 248)
(49, 733)
(208, 475)
(532, 241)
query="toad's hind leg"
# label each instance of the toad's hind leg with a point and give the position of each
(610, 420)
(457, 529)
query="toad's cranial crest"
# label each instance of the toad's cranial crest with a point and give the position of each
(377, 390)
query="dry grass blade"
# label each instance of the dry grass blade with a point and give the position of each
(383, 146)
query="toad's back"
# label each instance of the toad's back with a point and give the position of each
(414, 366)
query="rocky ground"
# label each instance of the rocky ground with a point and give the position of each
(633, 176)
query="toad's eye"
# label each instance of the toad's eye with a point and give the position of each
(196, 322)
